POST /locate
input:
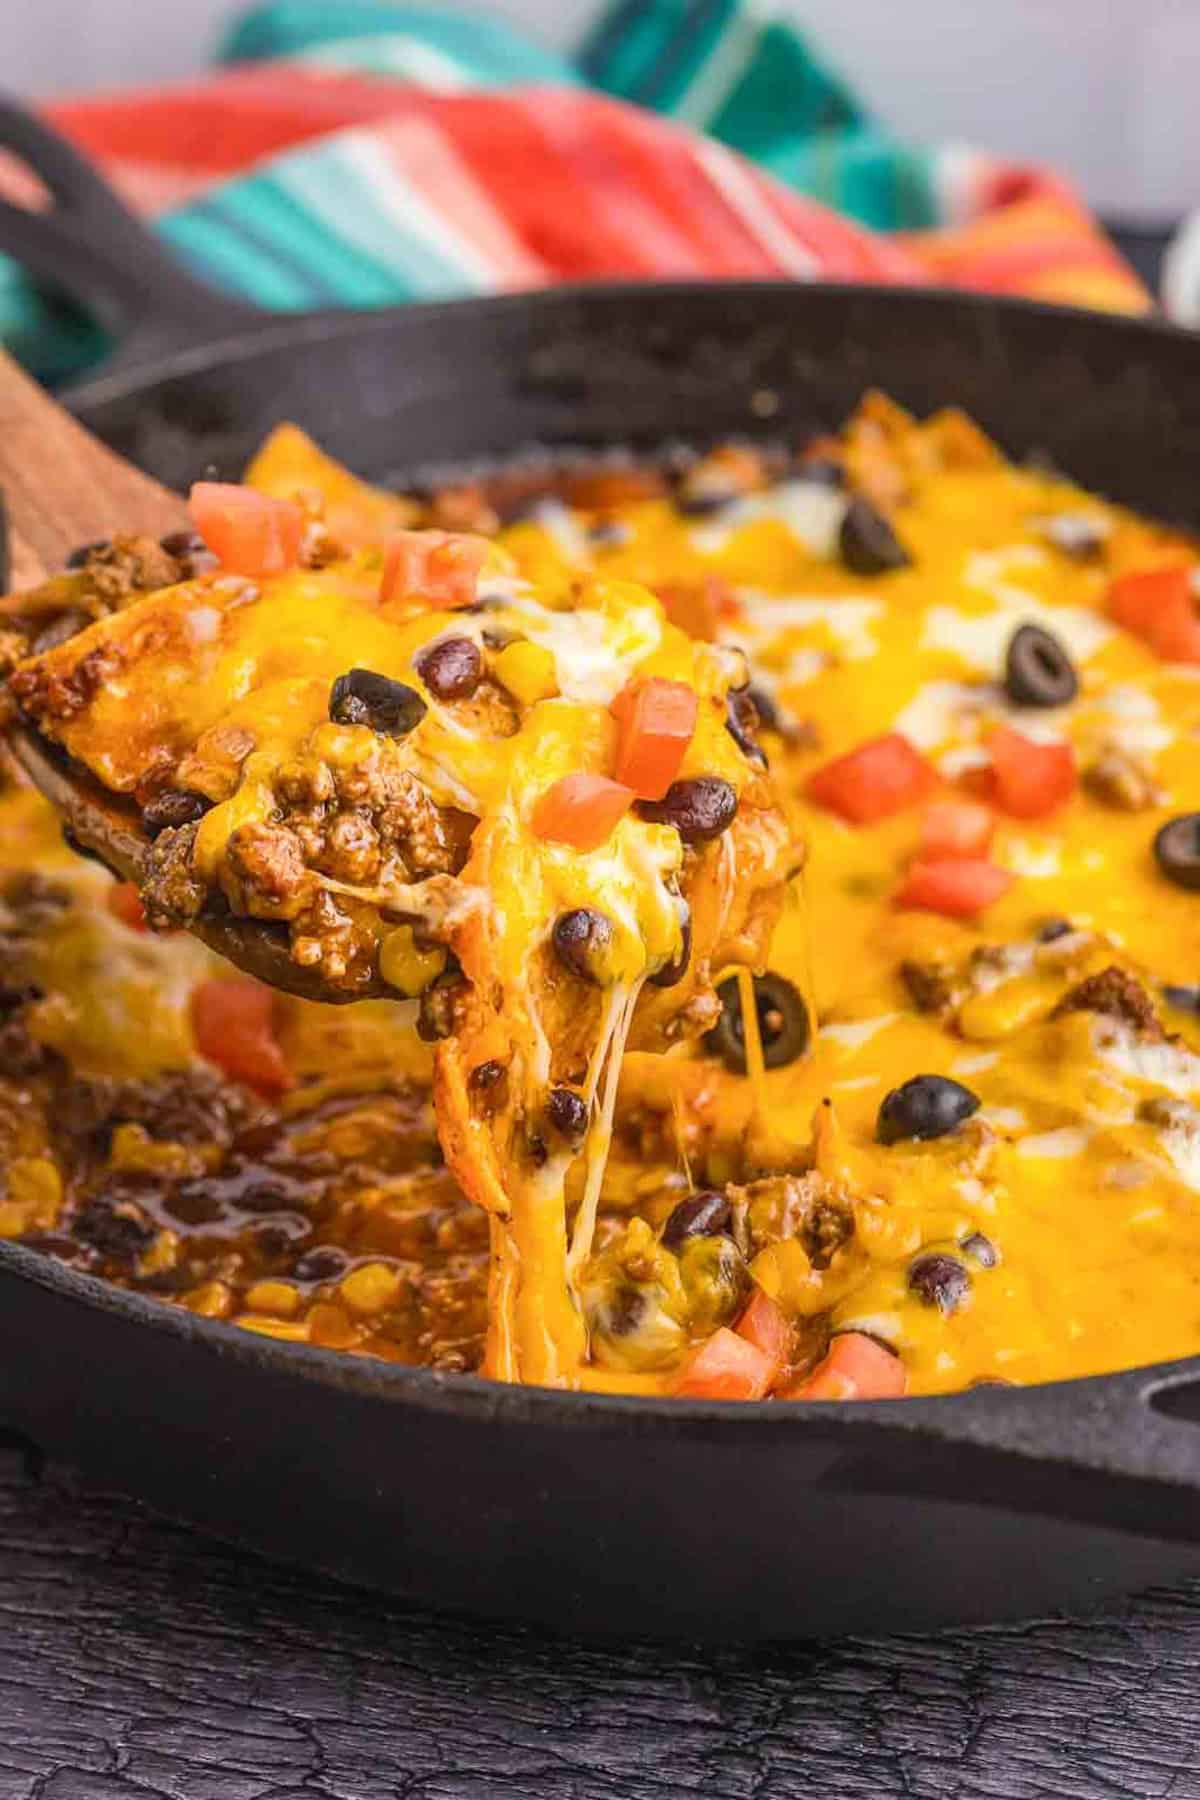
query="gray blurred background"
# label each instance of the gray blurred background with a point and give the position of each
(1105, 89)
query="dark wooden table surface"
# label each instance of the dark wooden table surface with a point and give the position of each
(138, 1660)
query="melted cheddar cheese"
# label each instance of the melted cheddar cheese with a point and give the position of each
(1055, 1230)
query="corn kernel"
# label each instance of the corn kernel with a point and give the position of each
(370, 1289)
(405, 965)
(293, 1331)
(528, 671)
(276, 1297)
(211, 1300)
(34, 1196)
(331, 1327)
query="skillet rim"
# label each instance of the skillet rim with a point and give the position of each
(979, 1414)
(274, 330)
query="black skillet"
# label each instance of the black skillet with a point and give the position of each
(592, 1513)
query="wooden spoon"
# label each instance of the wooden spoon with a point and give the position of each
(63, 488)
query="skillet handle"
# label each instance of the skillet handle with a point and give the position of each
(88, 244)
(1120, 1451)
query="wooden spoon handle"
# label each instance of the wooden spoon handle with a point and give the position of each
(62, 487)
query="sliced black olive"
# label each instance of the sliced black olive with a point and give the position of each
(1053, 929)
(1037, 669)
(783, 1023)
(567, 1112)
(1177, 850)
(362, 697)
(982, 1249)
(583, 941)
(1075, 534)
(741, 722)
(939, 1280)
(173, 808)
(81, 552)
(452, 668)
(700, 808)
(677, 968)
(867, 542)
(928, 1106)
(1187, 999)
(704, 1214)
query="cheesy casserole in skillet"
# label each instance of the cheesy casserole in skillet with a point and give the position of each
(897, 738)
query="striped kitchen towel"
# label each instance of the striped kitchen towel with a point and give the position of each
(360, 152)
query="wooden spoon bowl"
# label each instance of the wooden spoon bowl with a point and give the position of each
(62, 488)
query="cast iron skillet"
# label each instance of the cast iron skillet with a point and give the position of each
(593, 1513)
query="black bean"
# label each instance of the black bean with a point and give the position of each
(1187, 999)
(765, 707)
(488, 1085)
(452, 668)
(625, 1312)
(80, 554)
(362, 697)
(172, 808)
(704, 1214)
(608, 533)
(783, 1023)
(1177, 850)
(1075, 534)
(567, 1112)
(583, 941)
(823, 471)
(702, 495)
(1037, 669)
(928, 1106)
(867, 542)
(485, 1076)
(184, 543)
(1053, 929)
(982, 1249)
(939, 1280)
(116, 1228)
(741, 722)
(700, 808)
(323, 1263)
(673, 972)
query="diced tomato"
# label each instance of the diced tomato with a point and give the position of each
(1030, 779)
(656, 720)
(250, 533)
(726, 1367)
(765, 1325)
(956, 886)
(582, 810)
(1159, 606)
(125, 903)
(701, 607)
(881, 777)
(956, 828)
(440, 568)
(855, 1368)
(233, 1025)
